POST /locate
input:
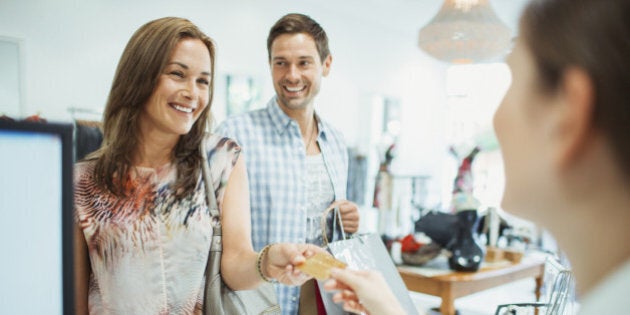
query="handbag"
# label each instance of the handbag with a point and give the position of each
(219, 299)
(366, 252)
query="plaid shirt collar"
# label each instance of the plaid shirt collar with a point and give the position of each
(281, 121)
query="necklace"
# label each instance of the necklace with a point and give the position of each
(313, 135)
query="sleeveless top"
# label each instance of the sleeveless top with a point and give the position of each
(148, 251)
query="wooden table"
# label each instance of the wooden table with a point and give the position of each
(450, 285)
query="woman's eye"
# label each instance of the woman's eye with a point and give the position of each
(204, 81)
(177, 73)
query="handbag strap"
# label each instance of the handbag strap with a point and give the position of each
(336, 220)
(211, 199)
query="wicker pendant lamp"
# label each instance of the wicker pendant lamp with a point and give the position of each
(465, 31)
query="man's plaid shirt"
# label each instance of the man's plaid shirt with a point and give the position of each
(275, 154)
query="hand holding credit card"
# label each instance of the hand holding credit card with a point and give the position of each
(318, 266)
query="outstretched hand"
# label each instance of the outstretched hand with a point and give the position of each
(281, 259)
(363, 291)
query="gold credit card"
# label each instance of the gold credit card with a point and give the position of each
(318, 266)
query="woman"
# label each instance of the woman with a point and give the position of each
(563, 128)
(143, 227)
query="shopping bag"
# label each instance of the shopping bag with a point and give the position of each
(367, 252)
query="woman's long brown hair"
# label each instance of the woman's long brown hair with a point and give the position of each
(140, 66)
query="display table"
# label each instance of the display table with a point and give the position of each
(436, 279)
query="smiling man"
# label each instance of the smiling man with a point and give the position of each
(297, 163)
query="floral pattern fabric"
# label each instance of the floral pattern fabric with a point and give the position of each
(148, 251)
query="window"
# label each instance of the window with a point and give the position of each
(473, 94)
(10, 81)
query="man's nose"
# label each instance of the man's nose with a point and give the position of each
(293, 73)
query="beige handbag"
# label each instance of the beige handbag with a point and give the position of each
(219, 299)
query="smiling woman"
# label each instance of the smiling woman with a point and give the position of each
(133, 87)
(143, 228)
(181, 94)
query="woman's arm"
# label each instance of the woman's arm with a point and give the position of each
(81, 272)
(238, 263)
(239, 258)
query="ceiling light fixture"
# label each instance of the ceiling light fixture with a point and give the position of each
(465, 31)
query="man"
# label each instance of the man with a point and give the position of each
(297, 163)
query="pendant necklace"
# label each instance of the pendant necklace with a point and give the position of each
(310, 137)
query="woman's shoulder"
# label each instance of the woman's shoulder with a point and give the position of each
(84, 166)
(83, 172)
(216, 142)
(222, 153)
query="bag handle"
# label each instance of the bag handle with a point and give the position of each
(336, 220)
(218, 297)
(211, 198)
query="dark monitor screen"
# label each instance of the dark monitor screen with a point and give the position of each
(36, 224)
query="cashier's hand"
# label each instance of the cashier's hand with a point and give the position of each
(363, 291)
(349, 215)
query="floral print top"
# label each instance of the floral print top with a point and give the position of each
(148, 251)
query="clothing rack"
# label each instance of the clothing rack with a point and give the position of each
(87, 130)
(86, 117)
(75, 111)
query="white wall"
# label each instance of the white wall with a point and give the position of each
(71, 49)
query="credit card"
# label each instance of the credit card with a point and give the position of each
(318, 266)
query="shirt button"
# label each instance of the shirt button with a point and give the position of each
(294, 299)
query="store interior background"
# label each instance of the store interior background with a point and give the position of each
(69, 49)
